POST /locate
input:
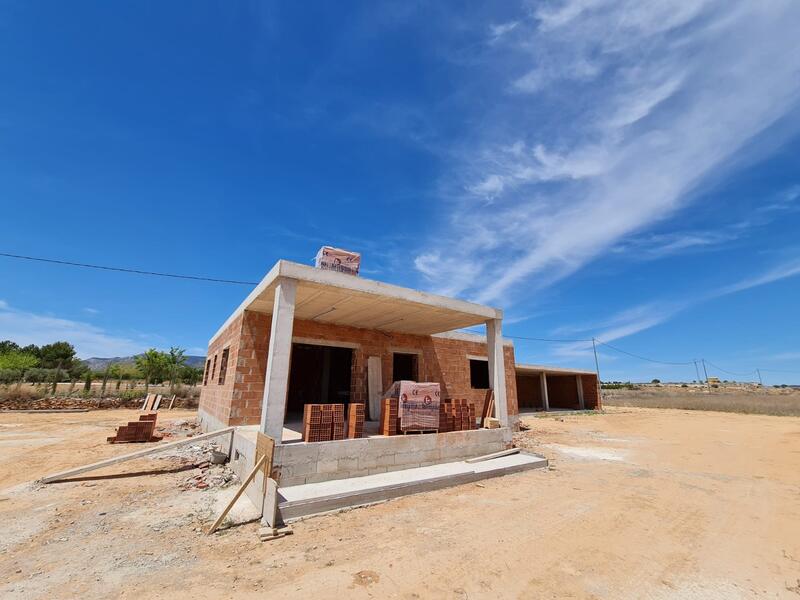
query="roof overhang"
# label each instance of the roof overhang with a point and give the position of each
(337, 298)
(549, 370)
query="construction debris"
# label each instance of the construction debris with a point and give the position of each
(126, 457)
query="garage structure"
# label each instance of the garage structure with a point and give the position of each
(544, 388)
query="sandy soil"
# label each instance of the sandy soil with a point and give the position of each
(638, 503)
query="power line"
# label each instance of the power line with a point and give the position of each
(718, 368)
(124, 270)
(652, 360)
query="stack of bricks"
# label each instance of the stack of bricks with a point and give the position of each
(337, 411)
(446, 420)
(390, 417)
(458, 415)
(323, 422)
(355, 421)
(136, 431)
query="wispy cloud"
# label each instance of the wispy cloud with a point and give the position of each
(645, 316)
(613, 115)
(26, 327)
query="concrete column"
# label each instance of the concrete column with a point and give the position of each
(579, 383)
(276, 384)
(497, 370)
(545, 399)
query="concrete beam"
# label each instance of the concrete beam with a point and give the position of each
(276, 385)
(497, 371)
(545, 398)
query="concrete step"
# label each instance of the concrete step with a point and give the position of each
(299, 501)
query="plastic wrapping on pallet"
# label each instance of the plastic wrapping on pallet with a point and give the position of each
(418, 404)
(336, 259)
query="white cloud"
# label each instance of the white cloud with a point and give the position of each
(91, 311)
(620, 111)
(645, 316)
(499, 30)
(31, 328)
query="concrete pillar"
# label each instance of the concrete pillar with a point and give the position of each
(497, 370)
(579, 383)
(545, 399)
(276, 384)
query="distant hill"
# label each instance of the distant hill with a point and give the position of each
(98, 364)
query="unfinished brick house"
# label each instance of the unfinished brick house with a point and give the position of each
(345, 339)
(312, 336)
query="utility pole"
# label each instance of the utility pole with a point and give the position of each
(705, 371)
(697, 370)
(597, 370)
(760, 382)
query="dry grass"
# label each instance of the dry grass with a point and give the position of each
(757, 401)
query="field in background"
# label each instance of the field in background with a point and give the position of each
(738, 399)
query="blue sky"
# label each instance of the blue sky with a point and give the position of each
(621, 170)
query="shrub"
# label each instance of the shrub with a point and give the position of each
(10, 375)
(19, 395)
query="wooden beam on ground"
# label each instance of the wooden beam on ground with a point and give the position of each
(259, 464)
(493, 455)
(132, 455)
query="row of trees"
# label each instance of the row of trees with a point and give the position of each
(57, 362)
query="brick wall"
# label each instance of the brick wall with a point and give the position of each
(562, 391)
(529, 391)
(591, 392)
(443, 360)
(215, 399)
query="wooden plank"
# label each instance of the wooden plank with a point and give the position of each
(488, 405)
(157, 402)
(477, 459)
(132, 455)
(258, 466)
(265, 446)
(146, 401)
(171, 402)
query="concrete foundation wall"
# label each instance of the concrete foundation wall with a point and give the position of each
(299, 463)
(440, 359)
(323, 461)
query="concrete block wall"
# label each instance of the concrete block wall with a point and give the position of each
(300, 463)
(441, 359)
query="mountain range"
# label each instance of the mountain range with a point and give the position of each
(98, 364)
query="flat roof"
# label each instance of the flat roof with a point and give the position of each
(533, 369)
(341, 299)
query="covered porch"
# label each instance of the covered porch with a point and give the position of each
(301, 369)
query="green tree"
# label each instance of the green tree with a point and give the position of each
(58, 352)
(175, 359)
(21, 361)
(7, 346)
(190, 375)
(152, 364)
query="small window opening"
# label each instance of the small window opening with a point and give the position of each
(479, 374)
(223, 366)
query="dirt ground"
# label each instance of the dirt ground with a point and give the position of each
(638, 503)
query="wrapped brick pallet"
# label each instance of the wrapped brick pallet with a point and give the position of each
(418, 404)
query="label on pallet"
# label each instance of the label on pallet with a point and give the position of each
(419, 405)
(336, 259)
